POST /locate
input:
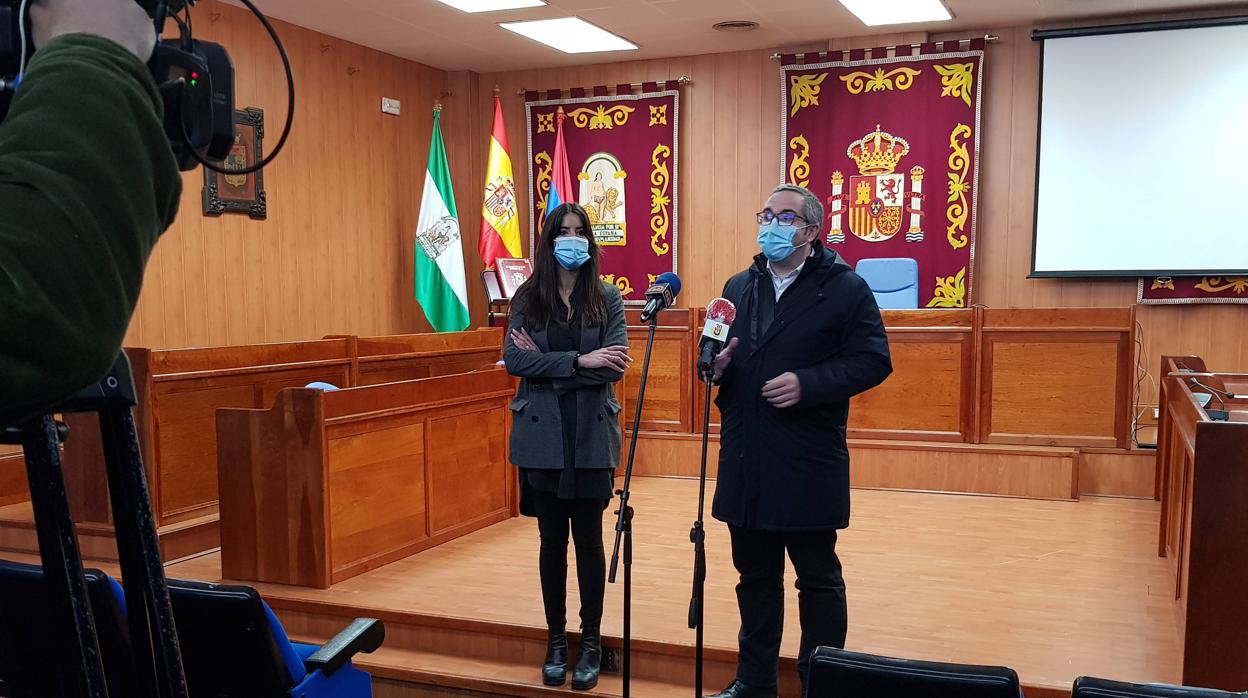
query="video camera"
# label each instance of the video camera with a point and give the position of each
(196, 80)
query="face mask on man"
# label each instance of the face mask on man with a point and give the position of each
(776, 240)
(572, 252)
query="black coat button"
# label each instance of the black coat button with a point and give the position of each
(535, 418)
(600, 418)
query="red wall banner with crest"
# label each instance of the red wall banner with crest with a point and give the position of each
(889, 139)
(622, 153)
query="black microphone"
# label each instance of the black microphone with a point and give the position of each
(719, 317)
(660, 295)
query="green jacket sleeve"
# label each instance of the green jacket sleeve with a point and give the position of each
(87, 185)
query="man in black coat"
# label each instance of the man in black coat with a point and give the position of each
(807, 337)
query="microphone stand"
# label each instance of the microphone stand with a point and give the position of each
(624, 520)
(697, 536)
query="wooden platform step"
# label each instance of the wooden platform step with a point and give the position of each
(178, 541)
(399, 673)
(1032, 472)
(502, 644)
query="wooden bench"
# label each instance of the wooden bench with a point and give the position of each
(327, 485)
(179, 392)
(408, 357)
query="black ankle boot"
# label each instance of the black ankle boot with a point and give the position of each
(589, 663)
(555, 670)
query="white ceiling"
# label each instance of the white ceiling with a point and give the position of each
(435, 34)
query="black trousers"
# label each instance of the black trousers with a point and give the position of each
(584, 516)
(759, 559)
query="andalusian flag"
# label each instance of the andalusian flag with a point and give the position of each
(500, 222)
(561, 175)
(440, 286)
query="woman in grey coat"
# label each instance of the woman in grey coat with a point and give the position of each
(568, 342)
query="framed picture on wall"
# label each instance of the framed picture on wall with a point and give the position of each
(226, 193)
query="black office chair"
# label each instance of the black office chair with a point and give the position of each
(836, 673)
(234, 647)
(1089, 687)
(30, 644)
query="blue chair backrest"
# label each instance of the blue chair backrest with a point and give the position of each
(836, 673)
(894, 281)
(232, 644)
(30, 643)
(1088, 687)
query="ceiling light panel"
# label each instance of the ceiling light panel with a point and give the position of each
(874, 13)
(570, 35)
(475, 6)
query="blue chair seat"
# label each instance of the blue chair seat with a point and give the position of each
(233, 646)
(894, 281)
(30, 641)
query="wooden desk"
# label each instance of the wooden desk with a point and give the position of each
(328, 485)
(930, 395)
(1204, 526)
(1056, 376)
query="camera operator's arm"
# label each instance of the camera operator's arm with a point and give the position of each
(87, 184)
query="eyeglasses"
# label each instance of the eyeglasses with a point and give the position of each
(785, 217)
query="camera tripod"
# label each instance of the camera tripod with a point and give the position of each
(153, 637)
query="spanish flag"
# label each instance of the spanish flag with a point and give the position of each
(500, 222)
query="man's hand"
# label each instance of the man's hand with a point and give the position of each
(607, 357)
(785, 390)
(722, 359)
(523, 340)
(121, 21)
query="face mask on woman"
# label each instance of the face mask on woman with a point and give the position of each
(571, 252)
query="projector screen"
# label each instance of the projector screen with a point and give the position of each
(1143, 151)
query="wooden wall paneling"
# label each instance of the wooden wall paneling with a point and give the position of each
(335, 253)
(274, 507)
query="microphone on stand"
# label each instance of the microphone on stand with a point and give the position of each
(660, 295)
(719, 316)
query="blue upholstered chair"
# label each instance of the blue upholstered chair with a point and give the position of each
(893, 280)
(1088, 687)
(835, 673)
(232, 644)
(234, 647)
(30, 644)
